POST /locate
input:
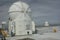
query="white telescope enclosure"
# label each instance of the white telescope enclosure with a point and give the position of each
(20, 21)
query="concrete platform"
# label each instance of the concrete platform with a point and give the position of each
(36, 37)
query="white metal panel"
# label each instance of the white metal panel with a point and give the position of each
(33, 26)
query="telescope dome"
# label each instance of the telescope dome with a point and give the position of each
(17, 8)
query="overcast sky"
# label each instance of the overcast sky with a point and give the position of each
(42, 10)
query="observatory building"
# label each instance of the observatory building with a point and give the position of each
(20, 21)
(46, 24)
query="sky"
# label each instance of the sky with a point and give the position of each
(42, 10)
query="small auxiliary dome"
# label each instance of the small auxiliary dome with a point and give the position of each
(46, 23)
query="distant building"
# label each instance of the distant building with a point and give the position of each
(46, 23)
(3, 25)
(20, 21)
